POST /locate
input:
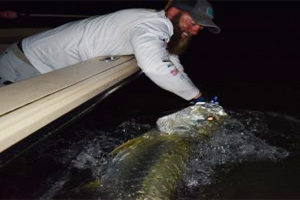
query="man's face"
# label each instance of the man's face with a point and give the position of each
(184, 28)
(188, 26)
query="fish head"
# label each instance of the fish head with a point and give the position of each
(199, 119)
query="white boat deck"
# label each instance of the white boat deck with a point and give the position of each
(29, 105)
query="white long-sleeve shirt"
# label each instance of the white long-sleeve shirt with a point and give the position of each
(142, 32)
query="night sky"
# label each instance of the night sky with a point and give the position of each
(251, 64)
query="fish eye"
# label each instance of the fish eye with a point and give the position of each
(210, 118)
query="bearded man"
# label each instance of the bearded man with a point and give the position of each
(154, 37)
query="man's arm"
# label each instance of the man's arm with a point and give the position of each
(150, 50)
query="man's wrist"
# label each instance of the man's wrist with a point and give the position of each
(198, 98)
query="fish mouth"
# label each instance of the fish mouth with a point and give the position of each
(182, 128)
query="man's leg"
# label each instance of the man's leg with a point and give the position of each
(14, 66)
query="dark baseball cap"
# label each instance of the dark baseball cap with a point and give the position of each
(200, 10)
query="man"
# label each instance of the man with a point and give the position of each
(153, 37)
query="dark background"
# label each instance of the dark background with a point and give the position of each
(251, 64)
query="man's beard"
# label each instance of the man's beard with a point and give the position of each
(177, 45)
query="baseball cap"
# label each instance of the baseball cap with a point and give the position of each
(200, 10)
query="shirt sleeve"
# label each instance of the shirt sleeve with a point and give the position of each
(149, 45)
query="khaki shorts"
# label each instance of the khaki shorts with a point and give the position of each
(14, 66)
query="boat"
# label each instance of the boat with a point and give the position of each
(48, 102)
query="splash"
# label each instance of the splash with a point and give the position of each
(235, 143)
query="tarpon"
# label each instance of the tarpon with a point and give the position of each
(151, 166)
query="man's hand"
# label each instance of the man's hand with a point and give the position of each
(198, 98)
(201, 99)
(198, 95)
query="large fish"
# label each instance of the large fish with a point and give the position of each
(151, 166)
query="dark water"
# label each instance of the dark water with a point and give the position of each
(255, 155)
